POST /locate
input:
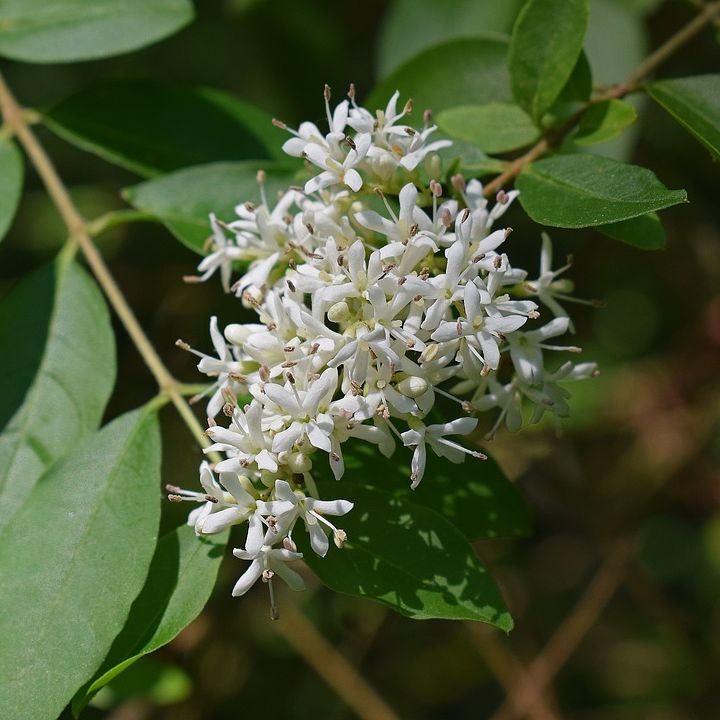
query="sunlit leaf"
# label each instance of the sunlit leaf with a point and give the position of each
(575, 191)
(475, 496)
(645, 232)
(546, 41)
(181, 577)
(72, 561)
(604, 121)
(57, 371)
(68, 30)
(473, 70)
(495, 127)
(695, 103)
(184, 199)
(407, 557)
(429, 23)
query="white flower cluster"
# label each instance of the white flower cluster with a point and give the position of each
(364, 318)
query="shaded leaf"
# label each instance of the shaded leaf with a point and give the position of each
(429, 23)
(645, 232)
(69, 30)
(150, 128)
(604, 121)
(183, 200)
(407, 557)
(695, 103)
(80, 548)
(475, 496)
(495, 127)
(57, 378)
(472, 69)
(181, 577)
(546, 41)
(11, 183)
(575, 191)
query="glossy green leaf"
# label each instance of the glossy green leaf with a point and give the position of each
(181, 577)
(463, 157)
(546, 42)
(73, 560)
(495, 127)
(407, 557)
(574, 191)
(695, 103)
(645, 232)
(184, 199)
(473, 70)
(429, 23)
(574, 94)
(151, 128)
(475, 496)
(604, 121)
(46, 31)
(56, 374)
(11, 183)
(612, 61)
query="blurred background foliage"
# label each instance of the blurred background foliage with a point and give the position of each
(636, 465)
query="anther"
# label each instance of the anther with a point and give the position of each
(501, 197)
(279, 124)
(182, 345)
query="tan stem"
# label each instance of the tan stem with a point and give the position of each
(567, 637)
(710, 12)
(78, 233)
(330, 665)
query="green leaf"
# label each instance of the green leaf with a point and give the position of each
(407, 557)
(69, 30)
(546, 42)
(574, 94)
(472, 69)
(604, 121)
(73, 560)
(152, 128)
(475, 496)
(181, 577)
(574, 191)
(468, 159)
(56, 374)
(495, 127)
(11, 182)
(695, 103)
(429, 23)
(183, 200)
(645, 232)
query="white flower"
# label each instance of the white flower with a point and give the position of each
(290, 505)
(267, 561)
(434, 435)
(304, 411)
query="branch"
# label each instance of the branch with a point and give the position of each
(709, 14)
(78, 233)
(567, 637)
(331, 666)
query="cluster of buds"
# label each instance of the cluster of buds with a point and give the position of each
(376, 292)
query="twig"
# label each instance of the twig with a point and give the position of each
(620, 90)
(507, 670)
(568, 636)
(78, 233)
(330, 665)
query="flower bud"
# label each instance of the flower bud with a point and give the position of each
(413, 386)
(298, 462)
(339, 312)
(433, 166)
